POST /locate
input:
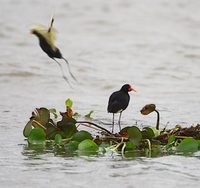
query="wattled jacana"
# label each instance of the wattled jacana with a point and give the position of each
(47, 39)
(119, 101)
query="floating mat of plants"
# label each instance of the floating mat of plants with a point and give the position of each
(72, 136)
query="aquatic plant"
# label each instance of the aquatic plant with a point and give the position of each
(79, 137)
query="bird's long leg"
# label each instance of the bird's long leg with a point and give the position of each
(62, 72)
(119, 121)
(69, 69)
(113, 122)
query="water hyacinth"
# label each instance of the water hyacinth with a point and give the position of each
(71, 136)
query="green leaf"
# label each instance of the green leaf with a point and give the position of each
(37, 136)
(198, 143)
(54, 112)
(51, 130)
(188, 145)
(28, 128)
(89, 114)
(42, 116)
(171, 140)
(71, 146)
(67, 125)
(58, 139)
(76, 115)
(130, 146)
(134, 135)
(88, 147)
(69, 103)
(82, 135)
(150, 132)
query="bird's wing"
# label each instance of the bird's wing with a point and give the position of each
(114, 104)
(48, 34)
(115, 107)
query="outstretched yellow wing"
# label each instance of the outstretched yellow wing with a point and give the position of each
(49, 34)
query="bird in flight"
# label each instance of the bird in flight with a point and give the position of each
(118, 102)
(47, 38)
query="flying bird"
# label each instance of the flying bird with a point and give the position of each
(118, 102)
(47, 38)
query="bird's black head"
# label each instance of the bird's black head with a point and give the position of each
(127, 88)
(35, 32)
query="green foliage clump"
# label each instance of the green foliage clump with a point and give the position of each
(66, 134)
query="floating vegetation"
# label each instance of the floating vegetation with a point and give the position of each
(78, 137)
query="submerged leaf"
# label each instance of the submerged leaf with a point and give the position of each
(37, 136)
(188, 145)
(82, 135)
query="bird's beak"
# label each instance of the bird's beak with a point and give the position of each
(131, 89)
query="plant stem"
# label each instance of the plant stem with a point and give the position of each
(149, 143)
(123, 149)
(112, 138)
(38, 124)
(81, 122)
(90, 126)
(158, 119)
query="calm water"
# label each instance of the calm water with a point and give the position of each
(153, 45)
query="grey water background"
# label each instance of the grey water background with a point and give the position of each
(153, 45)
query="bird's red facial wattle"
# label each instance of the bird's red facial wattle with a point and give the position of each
(131, 89)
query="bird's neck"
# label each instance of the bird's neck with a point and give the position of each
(124, 92)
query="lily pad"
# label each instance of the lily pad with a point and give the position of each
(130, 146)
(71, 146)
(82, 135)
(88, 146)
(134, 135)
(37, 136)
(188, 145)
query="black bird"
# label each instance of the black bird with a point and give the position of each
(47, 39)
(119, 101)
